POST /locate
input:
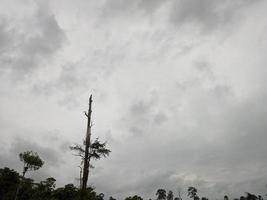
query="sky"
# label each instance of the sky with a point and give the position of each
(179, 92)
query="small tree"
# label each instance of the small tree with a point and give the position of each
(226, 197)
(31, 162)
(192, 193)
(135, 197)
(251, 196)
(161, 193)
(170, 195)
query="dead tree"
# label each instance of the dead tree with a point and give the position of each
(86, 162)
(89, 151)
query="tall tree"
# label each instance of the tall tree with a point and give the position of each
(89, 151)
(86, 162)
(31, 161)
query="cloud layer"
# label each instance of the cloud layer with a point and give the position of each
(178, 86)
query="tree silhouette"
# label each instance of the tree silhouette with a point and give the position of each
(31, 161)
(87, 151)
(44, 190)
(135, 197)
(192, 193)
(100, 196)
(96, 150)
(170, 195)
(161, 193)
(251, 196)
(9, 179)
(69, 192)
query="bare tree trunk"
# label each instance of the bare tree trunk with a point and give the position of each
(87, 146)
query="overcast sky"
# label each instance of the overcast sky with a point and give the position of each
(179, 92)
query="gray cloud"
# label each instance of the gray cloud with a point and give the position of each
(25, 47)
(207, 15)
(177, 108)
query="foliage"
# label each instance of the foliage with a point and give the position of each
(46, 190)
(251, 196)
(69, 192)
(9, 180)
(161, 193)
(170, 195)
(96, 150)
(31, 161)
(135, 197)
(192, 193)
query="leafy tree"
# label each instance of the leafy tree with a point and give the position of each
(100, 196)
(135, 197)
(9, 179)
(26, 189)
(192, 193)
(44, 190)
(69, 192)
(89, 151)
(251, 196)
(225, 197)
(170, 195)
(161, 193)
(31, 161)
(89, 194)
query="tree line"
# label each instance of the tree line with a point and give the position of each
(46, 190)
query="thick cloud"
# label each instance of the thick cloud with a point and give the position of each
(177, 108)
(30, 43)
